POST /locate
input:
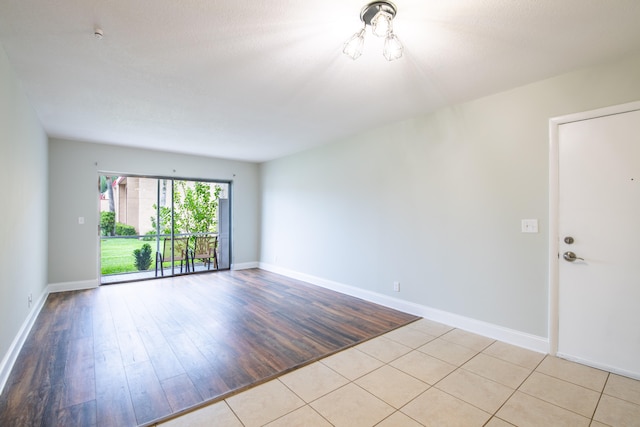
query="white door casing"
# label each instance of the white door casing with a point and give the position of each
(595, 199)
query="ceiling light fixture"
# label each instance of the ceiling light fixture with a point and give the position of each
(379, 16)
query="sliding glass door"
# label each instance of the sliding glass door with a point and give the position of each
(159, 227)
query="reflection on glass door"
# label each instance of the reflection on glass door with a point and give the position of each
(159, 227)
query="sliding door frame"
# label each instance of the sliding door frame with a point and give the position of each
(171, 181)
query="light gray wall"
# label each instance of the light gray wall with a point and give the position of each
(73, 192)
(436, 202)
(23, 206)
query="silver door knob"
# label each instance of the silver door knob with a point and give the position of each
(571, 257)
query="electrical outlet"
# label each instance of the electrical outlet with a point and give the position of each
(396, 286)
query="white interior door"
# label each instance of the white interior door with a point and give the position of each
(599, 208)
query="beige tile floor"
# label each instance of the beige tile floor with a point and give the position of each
(429, 374)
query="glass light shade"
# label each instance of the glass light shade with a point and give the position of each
(392, 47)
(353, 47)
(381, 24)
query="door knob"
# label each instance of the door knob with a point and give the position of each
(571, 257)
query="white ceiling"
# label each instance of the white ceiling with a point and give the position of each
(256, 80)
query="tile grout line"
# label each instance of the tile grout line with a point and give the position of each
(461, 366)
(559, 379)
(232, 411)
(595, 409)
(388, 364)
(353, 382)
(309, 403)
(450, 373)
(431, 386)
(495, 414)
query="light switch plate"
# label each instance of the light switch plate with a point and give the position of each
(529, 225)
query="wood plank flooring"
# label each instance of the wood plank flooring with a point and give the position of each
(132, 354)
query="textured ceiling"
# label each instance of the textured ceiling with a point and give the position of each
(254, 81)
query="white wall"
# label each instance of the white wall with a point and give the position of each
(23, 207)
(73, 192)
(436, 202)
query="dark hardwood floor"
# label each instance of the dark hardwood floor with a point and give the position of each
(125, 355)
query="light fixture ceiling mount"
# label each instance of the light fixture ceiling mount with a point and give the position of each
(372, 9)
(379, 16)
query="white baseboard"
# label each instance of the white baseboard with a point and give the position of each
(601, 366)
(245, 265)
(73, 286)
(510, 336)
(16, 346)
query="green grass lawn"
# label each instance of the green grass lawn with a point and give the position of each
(116, 255)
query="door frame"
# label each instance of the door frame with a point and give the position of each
(230, 239)
(554, 199)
